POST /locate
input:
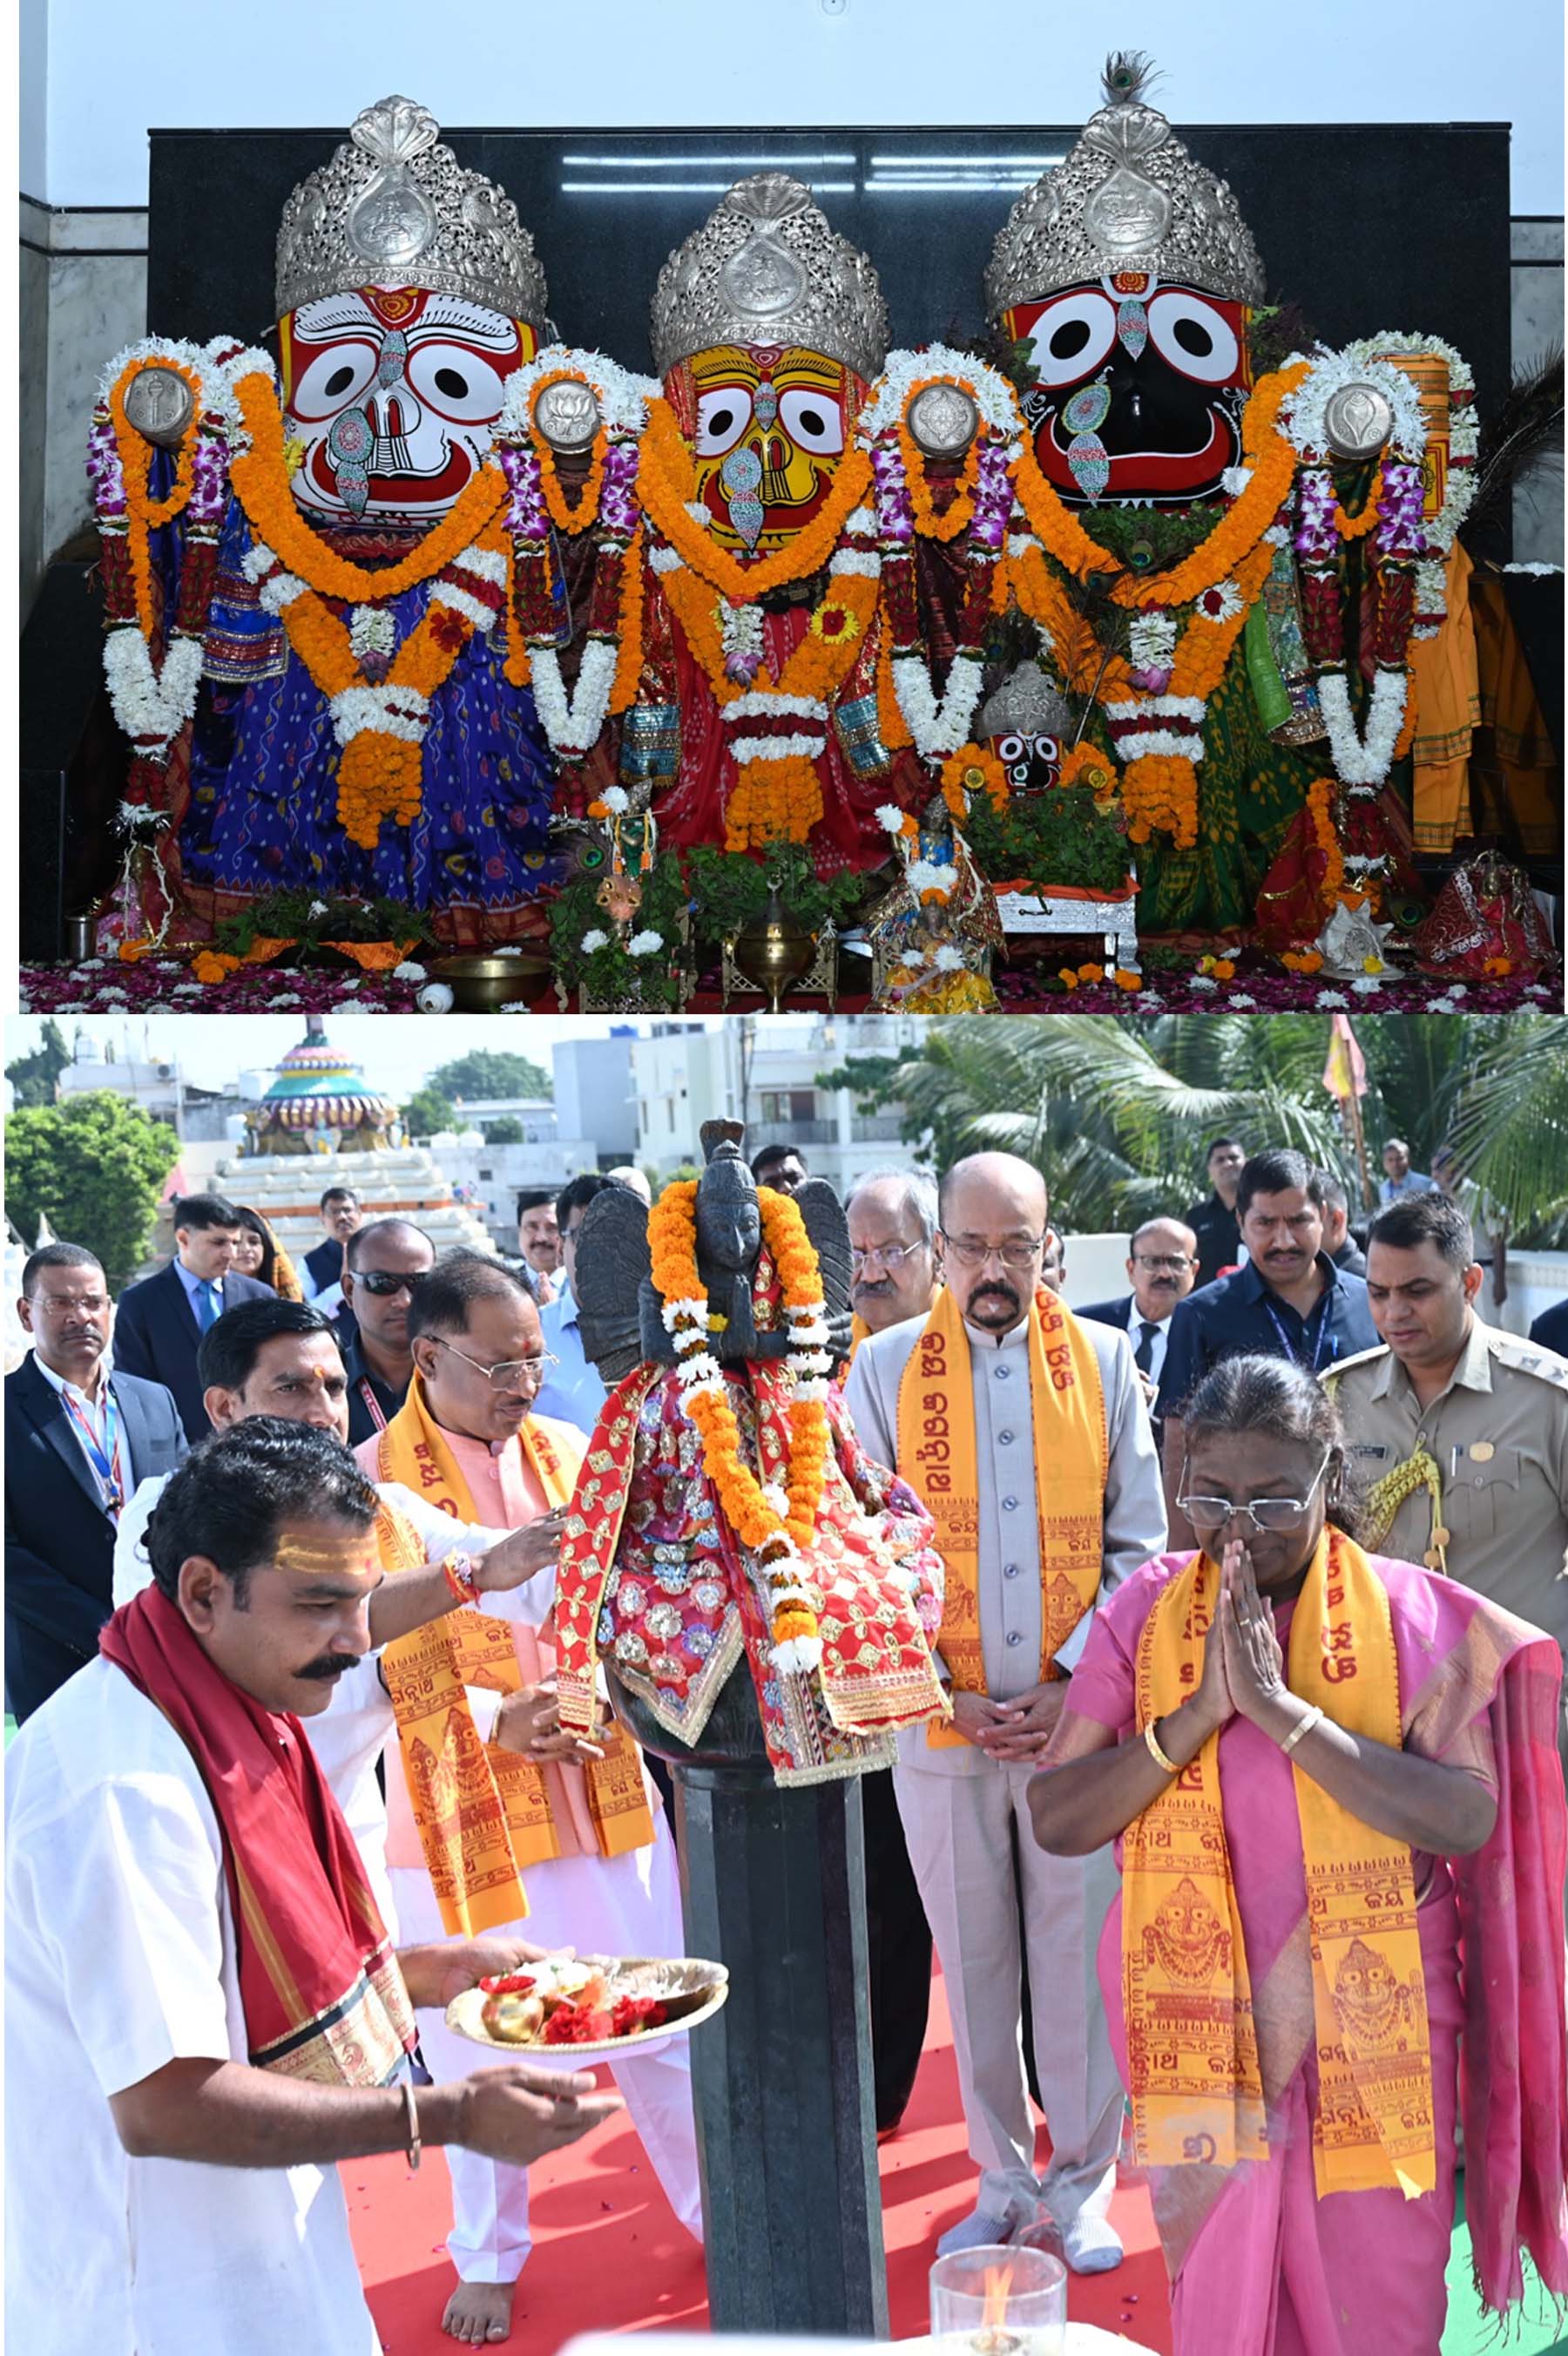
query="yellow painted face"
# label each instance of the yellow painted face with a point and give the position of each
(767, 426)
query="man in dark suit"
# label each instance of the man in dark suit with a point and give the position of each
(1338, 1240)
(341, 1214)
(1213, 1221)
(78, 1440)
(1549, 1330)
(160, 1322)
(1162, 1268)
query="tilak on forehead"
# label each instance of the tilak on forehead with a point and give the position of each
(353, 1556)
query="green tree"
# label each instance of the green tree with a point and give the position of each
(428, 1112)
(508, 1130)
(1117, 1111)
(34, 1076)
(487, 1072)
(94, 1168)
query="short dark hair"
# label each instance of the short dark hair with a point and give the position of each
(337, 1195)
(201, 1210)
(533, 1198)
(1417, 1219)
(1279, 1171)
(578, 1192)
(1281, 1399)
(232, 1494)
(443, 1296)
(1218, 1142)
(232, 1343)
(1336, 1194)
(362, 1236)
(56, 1256)
(768, 1154)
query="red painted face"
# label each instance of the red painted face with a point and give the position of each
(394, 393)
(1140, 389)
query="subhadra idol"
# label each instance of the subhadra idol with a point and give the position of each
(1229, 552)
(755, 715)
(308, 567)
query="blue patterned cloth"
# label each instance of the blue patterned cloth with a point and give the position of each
(262, 814)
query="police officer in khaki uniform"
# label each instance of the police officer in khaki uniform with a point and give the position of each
(1460, 1432)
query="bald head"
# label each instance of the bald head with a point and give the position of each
(993, 1210)
(1162, 1263)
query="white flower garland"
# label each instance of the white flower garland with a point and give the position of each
(798, 747)
(622, 398)
(1459, 489)
(938, 728)
(1363, 761)
(572, 724)
(150, 704)
(908, 372)
(1303, 413)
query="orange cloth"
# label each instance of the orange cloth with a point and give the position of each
(1445, 695)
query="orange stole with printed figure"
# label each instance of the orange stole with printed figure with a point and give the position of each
(938, 1457)
(1192, 2052)
(483, 1815)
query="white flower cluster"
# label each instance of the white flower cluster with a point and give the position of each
(572, 722)
(644, 944)
(938, 729)
(388, 711)
(1152, 640)
(1303, 413)
(907, 373)
(1363, 761)
(622, 398)
(150, 704)
(372, 631)
(591, 940)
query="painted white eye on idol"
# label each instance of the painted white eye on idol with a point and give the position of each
(812, 423)
(1194, 336)
(723, 416)
(1072, 336)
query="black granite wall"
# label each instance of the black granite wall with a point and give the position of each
(1365, 228)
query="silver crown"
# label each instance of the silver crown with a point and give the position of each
(394, 208)
(1129, 196)
(765, 268)
(1027, 703)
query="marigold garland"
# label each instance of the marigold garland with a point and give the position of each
(1320, 805)
(780, 1540)
(972, 769)
(1084, 764)
(960, 512)
(261, 485)
(147, 514)
(667, 484)
(1356, 527)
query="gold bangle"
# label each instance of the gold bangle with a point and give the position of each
(1303, 1726)
(1151, 1740)
(411, 2120)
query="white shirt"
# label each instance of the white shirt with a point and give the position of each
(1136, 1323)
(353, 1731)
(118, 1959)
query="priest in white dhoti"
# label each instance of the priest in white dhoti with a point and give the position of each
(554, 1831)
(1023, 1431)
(204, 2011)
(282, 1359)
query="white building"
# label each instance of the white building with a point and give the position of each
(762, 1070)
(594, 1096)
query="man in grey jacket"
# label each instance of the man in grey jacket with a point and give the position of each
(965, 1805)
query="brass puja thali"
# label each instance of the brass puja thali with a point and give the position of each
(568, 2006)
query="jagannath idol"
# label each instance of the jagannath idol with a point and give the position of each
(728, 1538)
(1230, 554)
(323, 575)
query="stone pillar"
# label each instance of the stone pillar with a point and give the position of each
(772, 1885)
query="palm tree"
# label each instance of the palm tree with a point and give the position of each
(1118, 1112)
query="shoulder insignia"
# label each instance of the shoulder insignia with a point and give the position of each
(1524, 1357)
(1361, 1358)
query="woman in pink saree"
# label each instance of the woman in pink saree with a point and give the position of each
(1470, 1809)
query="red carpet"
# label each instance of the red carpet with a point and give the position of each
(609, 2256)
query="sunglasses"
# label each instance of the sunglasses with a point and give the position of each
(380, 1283)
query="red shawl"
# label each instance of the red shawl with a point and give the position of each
(322, 1993)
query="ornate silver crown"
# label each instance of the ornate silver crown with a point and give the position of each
(765, 268)
(394, 208)
(1128, 198)
(1027, 703)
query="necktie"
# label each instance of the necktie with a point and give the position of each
(1142, 1357)
(211, 1308)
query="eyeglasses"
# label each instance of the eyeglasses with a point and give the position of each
(888, 1257)
(1011, 1255)
(380, 1283)
(1211, 1513)
(1172, 1265)
(510, 1372)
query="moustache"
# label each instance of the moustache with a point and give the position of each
(995, 1293)
(330, 1666)
(881, 1284)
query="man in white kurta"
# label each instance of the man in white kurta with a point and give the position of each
(479, 1359)
(282, 1359)
(965, 1808)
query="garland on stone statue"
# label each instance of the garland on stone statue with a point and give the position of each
(779, 1528)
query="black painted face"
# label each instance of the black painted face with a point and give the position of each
(1139, 391)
